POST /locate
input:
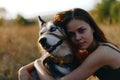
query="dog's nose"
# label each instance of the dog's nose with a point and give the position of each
(42, 40)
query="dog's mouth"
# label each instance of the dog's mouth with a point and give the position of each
(50, 48)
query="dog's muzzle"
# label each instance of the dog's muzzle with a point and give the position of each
(47, 46)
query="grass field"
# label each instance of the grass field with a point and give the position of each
(18, 47)
(112, 33)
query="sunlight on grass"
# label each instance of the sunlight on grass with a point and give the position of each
(112, 33)
(18, 47)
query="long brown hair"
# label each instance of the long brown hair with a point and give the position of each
(64, 17)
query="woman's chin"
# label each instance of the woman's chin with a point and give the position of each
(82, 48)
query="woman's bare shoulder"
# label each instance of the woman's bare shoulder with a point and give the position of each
(100, 56)
(107, 54)
(110, 47)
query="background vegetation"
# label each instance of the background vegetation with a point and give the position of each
(18, 37)
(107, 11)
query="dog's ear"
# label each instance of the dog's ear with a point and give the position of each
(41, 21)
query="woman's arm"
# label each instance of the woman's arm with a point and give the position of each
(92, 63)
(23, 73)
(43, 73)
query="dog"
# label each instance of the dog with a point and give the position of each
(60, 58)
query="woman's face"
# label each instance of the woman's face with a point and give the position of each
(81, 34)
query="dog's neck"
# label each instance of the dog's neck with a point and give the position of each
(62, 50)
(61, 60)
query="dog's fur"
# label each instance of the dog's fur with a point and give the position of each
(53, 42)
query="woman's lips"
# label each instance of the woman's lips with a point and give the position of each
(80, 44)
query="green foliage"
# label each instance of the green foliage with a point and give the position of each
(2, 15)
(1, 21)
(107, 11)
(22, 21)
(115, 12)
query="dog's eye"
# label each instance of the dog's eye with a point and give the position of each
(52, 29)
(41, 33)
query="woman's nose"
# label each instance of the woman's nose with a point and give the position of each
(77, 36)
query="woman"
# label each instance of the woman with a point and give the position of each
(96, 55)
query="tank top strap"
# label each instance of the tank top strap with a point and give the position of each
(110, 45)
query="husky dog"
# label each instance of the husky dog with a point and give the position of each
(53, 41)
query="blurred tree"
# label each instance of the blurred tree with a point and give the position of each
(1, 21)
(2, 12)
(22, 21)
(107, 11)
(115, 12)
(2, 15)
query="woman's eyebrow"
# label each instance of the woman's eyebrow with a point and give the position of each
(82, 27)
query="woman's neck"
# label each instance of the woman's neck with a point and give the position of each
(93, 46)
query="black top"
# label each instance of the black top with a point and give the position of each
(107, 73)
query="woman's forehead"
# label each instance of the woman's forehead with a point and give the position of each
(77, 23)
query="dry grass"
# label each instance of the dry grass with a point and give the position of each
(18, 46)
(112, 32)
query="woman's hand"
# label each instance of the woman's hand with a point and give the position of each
(43, 73)
(23, 74)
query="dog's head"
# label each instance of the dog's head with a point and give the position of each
(52, 39)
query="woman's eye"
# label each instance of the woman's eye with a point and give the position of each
(81, 30)
(52, 29)
(71, 35)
